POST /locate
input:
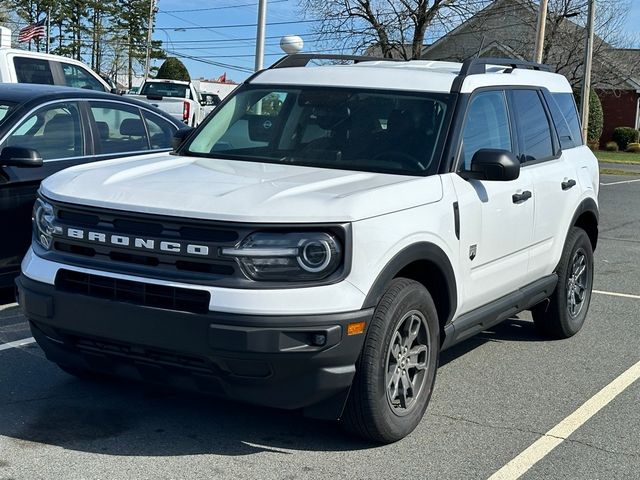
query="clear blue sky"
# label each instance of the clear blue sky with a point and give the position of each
(232, 46)
(235, 47)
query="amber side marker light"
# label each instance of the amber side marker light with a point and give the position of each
(355, 328)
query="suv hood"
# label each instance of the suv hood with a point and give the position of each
(238, 191)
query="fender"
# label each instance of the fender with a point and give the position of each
(418, 251)
(587, 205)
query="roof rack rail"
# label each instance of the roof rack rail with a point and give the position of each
(302, 59)
(474, 66)
(477, 66)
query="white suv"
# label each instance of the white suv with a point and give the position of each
(322, 236)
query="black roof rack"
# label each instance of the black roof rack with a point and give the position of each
(476, 66)
(302, 59)
(473, 66)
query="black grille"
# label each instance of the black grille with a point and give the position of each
(139, 293)
(143, 353)
(129, 259)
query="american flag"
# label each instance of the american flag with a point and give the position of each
(34, 30)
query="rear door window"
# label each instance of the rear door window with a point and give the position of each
(120, 128)
(33, 70)
(534, 131)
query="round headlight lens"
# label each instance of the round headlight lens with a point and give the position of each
(314, 255)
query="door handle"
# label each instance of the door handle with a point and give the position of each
(567, 184)
(521, 197)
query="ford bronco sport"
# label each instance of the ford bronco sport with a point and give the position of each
(322, 236)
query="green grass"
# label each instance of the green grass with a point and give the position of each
(618, 157)
(615, 171)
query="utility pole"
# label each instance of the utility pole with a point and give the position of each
(147, 63)
(542, 22)
(260, 33)
(586, 81)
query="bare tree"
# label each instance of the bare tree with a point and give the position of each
(507, 28)
(393, 28)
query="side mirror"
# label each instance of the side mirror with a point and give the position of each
(115, 91)
(493, 164)
(20, 157)
(180, 136)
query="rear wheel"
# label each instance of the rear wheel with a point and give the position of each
(396, 370)
(565, 312)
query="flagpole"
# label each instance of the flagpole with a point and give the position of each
(48, 28)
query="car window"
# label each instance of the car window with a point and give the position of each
(162, 89)
(33, 70)
(533, 126)
(120, 128)
(328, 127)
(78, 77)
(5, 108)
(566, 106)
(160, 130)
(54, 131)
(486, 126)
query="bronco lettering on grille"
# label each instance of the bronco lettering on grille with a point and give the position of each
(137, 242)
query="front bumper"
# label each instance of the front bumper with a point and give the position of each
(276, 361)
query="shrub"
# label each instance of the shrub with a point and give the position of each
(594, 145)
(611, 147)
(633, 148)
(623, 136)
(596, 118)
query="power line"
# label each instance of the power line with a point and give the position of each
(266, 54)
(218, 8)
(211, 62)
(239, 25)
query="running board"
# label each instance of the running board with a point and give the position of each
(491, 314)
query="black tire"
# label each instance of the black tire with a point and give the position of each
(373, 412)
(557, 318)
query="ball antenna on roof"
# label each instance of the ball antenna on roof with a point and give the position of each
(291, 44)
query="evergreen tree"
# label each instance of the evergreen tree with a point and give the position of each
(173, 69)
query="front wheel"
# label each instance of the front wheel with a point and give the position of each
(397, 367)
(565, 312)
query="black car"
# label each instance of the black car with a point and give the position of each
(44, 129)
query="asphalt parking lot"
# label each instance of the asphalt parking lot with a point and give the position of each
(495, 396)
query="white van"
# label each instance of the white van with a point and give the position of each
(23, 66)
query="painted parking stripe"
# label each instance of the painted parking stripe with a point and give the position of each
(554, 437)
(8, 306)
(17, 343)
(621, 182)
(616, 294)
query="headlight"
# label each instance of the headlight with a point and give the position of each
(43, 223)
(288, 256)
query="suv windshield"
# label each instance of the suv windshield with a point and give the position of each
(351, 129)
(162, 89)
(5, 109)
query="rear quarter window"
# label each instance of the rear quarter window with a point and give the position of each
(33, 70)
(564, 112)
